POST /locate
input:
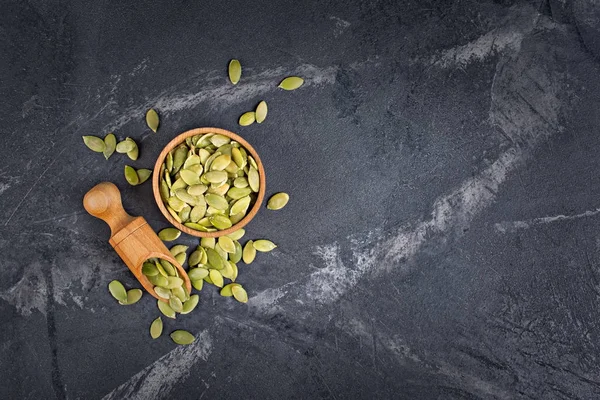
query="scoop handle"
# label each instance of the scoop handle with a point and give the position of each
(104, 201)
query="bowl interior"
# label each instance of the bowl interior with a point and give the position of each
(180, 139)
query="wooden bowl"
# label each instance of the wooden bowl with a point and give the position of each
(176, 142)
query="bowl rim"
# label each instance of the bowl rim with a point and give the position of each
(180, 139)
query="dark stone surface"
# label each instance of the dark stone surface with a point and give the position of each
(441, 241)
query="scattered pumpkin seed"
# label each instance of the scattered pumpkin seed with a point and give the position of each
(216, 277)
(117, 290)
(131, 175)
(156, 328)
(264, 245)
(152, 119)
(208, 243)
(110, 144)
(169, 234)
(190, 304)
(198, 284)
(214, 259)
(176, 304)
(182, 337)
(235, 71)
(143, 175)
(278, 201)
(165, 309)
(177, 249)
(162, 292)
(253, 179)
(247, 118)
(239, 293)
(291, 83)
(133, 296)
(237, 255)
(226, 291)
(197, 273)
(125, 146)
(237, 235)
(221, 222)
(249, 252)
(94, 143)
(261, 112)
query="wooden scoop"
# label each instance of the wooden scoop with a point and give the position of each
(131, 237)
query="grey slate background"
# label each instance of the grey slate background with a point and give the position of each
(441, 241)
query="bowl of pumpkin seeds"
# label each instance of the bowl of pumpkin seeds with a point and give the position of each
(208, 182)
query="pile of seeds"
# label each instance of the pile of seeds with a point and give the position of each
(209, 182)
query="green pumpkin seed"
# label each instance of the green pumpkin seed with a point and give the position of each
(143, 175)
(134, 153)
(226, 291)
(94, 143)
(177, 249)
(156, 328)
(168, 268)
(180, 258)
(117, 290)
(179, 157)
(169, 234)
(195, 226)
(224, 255)
(152, 119)
(216, 277)
(278, 201)
(208, 280)
(190, 304)
(240, 182)
(227, 272)
(235, 71)
(173, 282)
(149, 269)
(237, 193)
(236, 235)
(189, 177)
(174, 214)
(216, 201)
(191, 160)
(133, 296)
(197, 273)
(198, 212)
(110, 144)
(158, 280)
(175, 304)
(125, 146)
(183, 195)
(182, 337)
(197, 190)
(198, 284)
(236, 217)
(220, 163)
(291, 83)
(176, 204)
(249, 252)
(161, 270)
(162, 292)
(216, 176)
(208, 243)
(164, 190)
(239, 293)
(253, 179)
(214, 259)
(220, 222)
(240, 206)
(252, 162)
(169, 162)
(178, 184)
(165, 309)
(238, 159)
(237, 255)
(180, 293)
(247, 118)
(261, 112)
(131, 175)
(204, 256)
(219, 140)
(234, 274)
(264, 245)
(194, 259)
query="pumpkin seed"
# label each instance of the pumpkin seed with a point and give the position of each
(216, 201)
(149, 269)
(190, 304)
(177, 249)
(204, 256)
(152, 119)
(208, 243)
(169, 162)
(164, 190)
(253, 179)
(216, 277)
(252, 162)
(237, 193)
(143, 175)
(261, 112)
(198, 284)
(134, 153)
(240, 206)
(220, 222)
(178, 184)
(278, 201)
(125, 146)
(224, 255)
(179, 157)
(165, 309)
(240, 182)
(180, 258)
(264, 245)
(238, 159)
(227, 272)
(162, 292)
(196, 226)
(168, 268)
(219, 140)
(197, 273)
(236, 217)
(176, 304)
(291, 83)
(131, 176)
(236, 235)
(184, 214)
(234, 274)
(174, 214)
(173, 282)
(198, 212)
(133, 296)
(94, 143)
(189, 177)
(235, 71)
(239, 293)
(226, 291)
(176, 204)
(249, 252)
(216, 176)
(197, 190)
(194, 259)
(237, 255)
(183, 195)
(182, 337)
(158, 280)
(247, 118)
(191, 160)
(156, 328)
(180, 293)
(110, 144)
(117, 290)
(169, 234)
(214, 259)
